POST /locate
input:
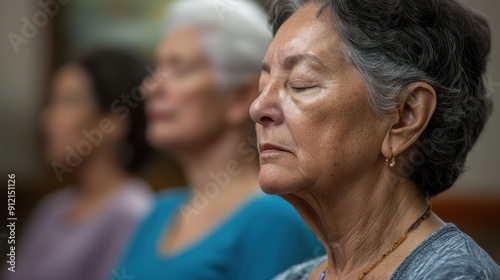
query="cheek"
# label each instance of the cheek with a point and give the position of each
(335, 138)
(64, 129)
(317, 133)
(63, 125)
(308, 132)
(203, 103)
(198, 114)
(338, 146)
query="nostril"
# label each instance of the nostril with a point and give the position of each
(266, 109)
(266, 120)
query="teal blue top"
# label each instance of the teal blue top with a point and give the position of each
(264, 237)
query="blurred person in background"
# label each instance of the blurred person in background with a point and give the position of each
(80, 231)
(222, 226)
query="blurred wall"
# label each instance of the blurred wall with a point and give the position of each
(22, 83)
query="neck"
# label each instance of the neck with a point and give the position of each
(358, 222)
(222, 163)
(100, 175)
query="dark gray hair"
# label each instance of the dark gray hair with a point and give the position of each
(394, 43)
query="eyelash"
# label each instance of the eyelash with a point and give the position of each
(300, 89)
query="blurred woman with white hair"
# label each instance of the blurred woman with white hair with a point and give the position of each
(197, 106)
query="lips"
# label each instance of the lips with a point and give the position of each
(267, 148)
(157, 116)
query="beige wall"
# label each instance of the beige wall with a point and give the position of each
(22, 82)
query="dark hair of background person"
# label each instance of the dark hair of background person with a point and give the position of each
(114, 74)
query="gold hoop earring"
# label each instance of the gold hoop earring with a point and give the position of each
(392, 161)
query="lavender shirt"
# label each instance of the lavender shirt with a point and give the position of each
(55, 249)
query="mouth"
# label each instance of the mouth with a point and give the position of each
(267, 148)
(159, 116)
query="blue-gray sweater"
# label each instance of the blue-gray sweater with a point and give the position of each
(446, 254)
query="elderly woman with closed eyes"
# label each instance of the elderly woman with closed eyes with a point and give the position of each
(367, 109)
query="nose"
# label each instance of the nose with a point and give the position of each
(153, 84)
(266, 109)
(150, 87)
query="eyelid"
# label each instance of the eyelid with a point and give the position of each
(300, 87)
(301, 83)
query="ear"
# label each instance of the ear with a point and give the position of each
(416, 107)
(240, 100)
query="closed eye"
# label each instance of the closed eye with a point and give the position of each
(300, 85)
(301, 88)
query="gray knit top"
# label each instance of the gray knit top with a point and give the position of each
(447, 253)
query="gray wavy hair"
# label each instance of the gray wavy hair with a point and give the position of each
(394, 43)
(234, 33)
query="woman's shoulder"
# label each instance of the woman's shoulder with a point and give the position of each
(301, 271)
(56, 201)
(448, 253)
(163, 203)
(134, 200)
(176, 195)
(168, 200)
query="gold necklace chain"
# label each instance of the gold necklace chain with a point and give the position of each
(397, 243)
(393, 247)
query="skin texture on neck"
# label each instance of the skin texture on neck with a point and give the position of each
(199, 162)
(201, 169)
(98, 179)
(359, 224)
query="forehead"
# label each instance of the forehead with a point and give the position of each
(71, 75)
(183, 41)
(307, 33)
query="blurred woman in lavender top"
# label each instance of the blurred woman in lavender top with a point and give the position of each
(79, 231)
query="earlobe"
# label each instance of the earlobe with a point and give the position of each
(415, 110)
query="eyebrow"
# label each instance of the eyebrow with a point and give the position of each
(295, 59)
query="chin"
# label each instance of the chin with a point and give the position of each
(157, 137)
(53, 154)
(166, 141)
(164, 144)
(273, 180)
